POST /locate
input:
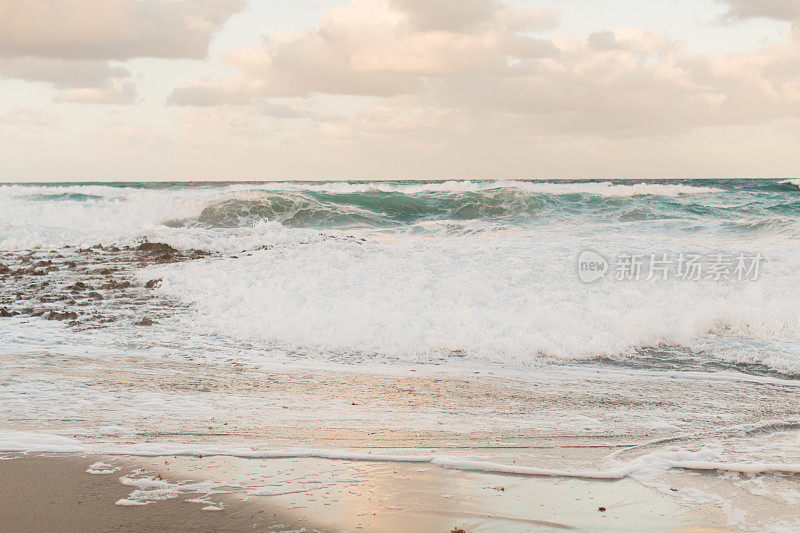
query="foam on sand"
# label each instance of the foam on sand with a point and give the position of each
(152, 489)
(655, 462)
(101, 468)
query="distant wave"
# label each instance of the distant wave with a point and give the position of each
(601, 188)
(47, 216)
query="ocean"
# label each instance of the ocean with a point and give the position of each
(660, 318)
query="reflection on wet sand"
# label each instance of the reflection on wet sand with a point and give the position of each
(365, 496)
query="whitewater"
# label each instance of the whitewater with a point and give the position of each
(417, 271)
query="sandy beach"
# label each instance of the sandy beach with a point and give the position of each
(274, 450)
(43, 493)
(55, 493)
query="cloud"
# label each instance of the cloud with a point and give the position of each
(398, 88)
(71, 43)
(786, 10)
(61, 72)
(467, 15)
(28, 116)
(378, 48)
(478, 66)
(113, 91)
(111, 29)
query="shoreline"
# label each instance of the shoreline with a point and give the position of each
(54, 491)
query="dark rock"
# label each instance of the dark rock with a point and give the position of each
(5, 313)
(113, 284)
(156, 248)
(152, 284)
(78, 286)
(69, 315)
(166, 258)
(144, 322)
(95, 295)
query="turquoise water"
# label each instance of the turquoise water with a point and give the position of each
(750, 204)
(425, 271)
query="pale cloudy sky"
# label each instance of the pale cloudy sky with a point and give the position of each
(326, 89)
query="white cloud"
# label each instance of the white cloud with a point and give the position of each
(787, 10)
(70, 42)
(28, 116)
(399, 88)
(378, 48)
(113, 91)
(61, 72)
(111, 29)
(469, 15)
(625, 82)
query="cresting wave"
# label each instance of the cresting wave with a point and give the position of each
(48, 216)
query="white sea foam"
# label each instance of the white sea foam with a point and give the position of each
(101, 468)
(154, 489)
(555, 188)
(513, 299)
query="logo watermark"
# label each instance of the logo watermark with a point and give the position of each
(718, 266)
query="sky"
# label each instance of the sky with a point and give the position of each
(398, 89)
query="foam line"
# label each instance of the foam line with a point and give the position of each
(23, 442)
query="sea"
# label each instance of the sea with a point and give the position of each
(658, 318)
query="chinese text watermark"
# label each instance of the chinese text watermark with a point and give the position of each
(685, 266)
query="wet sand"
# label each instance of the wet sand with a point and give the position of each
(45, 493)
(55, 493)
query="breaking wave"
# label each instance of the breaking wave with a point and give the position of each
(416, 271)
